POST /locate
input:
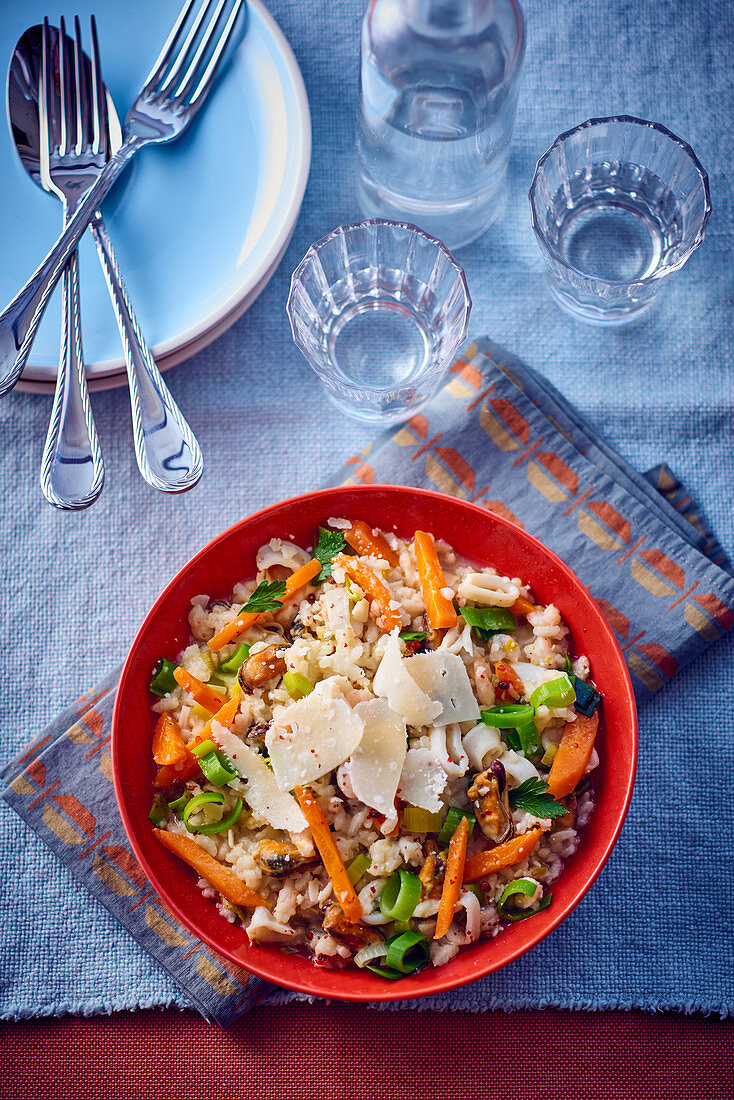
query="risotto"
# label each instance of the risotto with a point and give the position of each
(374, 753)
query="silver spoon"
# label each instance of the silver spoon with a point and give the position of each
(168, 455)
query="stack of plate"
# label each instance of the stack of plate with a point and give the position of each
(200, 225)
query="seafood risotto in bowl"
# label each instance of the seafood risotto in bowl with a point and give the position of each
(374, 753)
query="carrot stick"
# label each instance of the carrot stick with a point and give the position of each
(243, 622)
(363, 539)
(198, 690)
(168, 745)
(388, 618)
(224, 880)
(329, 853)
(453, 878)
(225, 716)
(574, 751)
(440, 610)
(522, 606)
(504, 855)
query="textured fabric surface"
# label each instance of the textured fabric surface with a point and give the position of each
(303, 1052)
(76, 587)
(493, 422)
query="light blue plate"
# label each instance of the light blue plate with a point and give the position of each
(200, 224)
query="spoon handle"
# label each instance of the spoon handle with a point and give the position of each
(72, 470)
(168, 454)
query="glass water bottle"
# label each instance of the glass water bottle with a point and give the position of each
(438, 92)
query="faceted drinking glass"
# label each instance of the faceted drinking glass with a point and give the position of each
(379, 310)
(617, 205)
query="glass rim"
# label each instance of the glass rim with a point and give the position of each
(342, 230)
(659, 128)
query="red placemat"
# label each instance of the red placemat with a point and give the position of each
(347, 1052)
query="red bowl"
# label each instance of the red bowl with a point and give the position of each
(484, 539)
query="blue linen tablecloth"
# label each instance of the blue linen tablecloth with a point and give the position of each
(76, 586)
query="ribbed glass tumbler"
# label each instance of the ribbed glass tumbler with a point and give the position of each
(617, 205)
(379, 309)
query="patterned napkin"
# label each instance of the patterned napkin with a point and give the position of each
(498, 435)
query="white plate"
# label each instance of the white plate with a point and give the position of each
(200, 224)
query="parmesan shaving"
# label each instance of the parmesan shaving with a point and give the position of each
(422, 780)
(262, 794)
(374, 768)
(394, 683)
(309, 738)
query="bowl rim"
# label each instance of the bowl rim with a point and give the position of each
(437, 983)
(656, 276)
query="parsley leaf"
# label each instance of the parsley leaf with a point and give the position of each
(268, 596)
(325, 548)
(412, 635)
(532, 797)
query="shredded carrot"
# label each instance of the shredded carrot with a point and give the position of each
(453, 878)
(243, 622)
(388, 617)
(329, 853)
(522, 606)
(222, 878)
(439, 609)
(572, 756)
(363, 539)
(168, 745)
(504, 855)
(205, 696)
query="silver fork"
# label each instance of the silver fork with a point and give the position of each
(167, 452)
(175, 89)
(72, 470)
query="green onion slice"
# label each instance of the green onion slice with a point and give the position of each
(407, 952)
(357, 867)
(587, 697)
(515, 915)
(508, 716)
(216, 769)
(163, 682)
(204, 798)
(412, 635)
(400, 895)
(549, 755)
(392, 975)
(451, 824)
(297, 686)
(569, 665)
(513, 912)
(233, 663)
(554, 693)
(417, 820)
(159, 810)
(179, 803)
(529, 739)
(489, 620)
(203, 748)
(376, 950)
(476, 891)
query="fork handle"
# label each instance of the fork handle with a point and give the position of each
(20, 320)
(72, 470)
(168, 454)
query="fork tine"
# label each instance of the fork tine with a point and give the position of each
(45, 107)
(191, 73)
(190, 38)
(100, 119)
(159, 65)
(206, 80)
(83, 122)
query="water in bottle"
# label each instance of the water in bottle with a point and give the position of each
(439, 85)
